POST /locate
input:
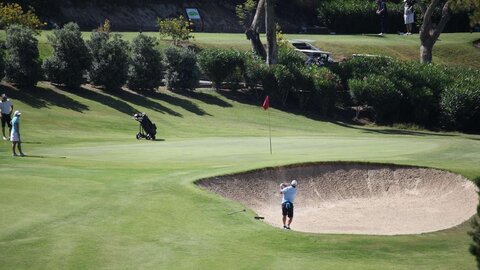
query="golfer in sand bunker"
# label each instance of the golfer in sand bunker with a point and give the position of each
(289, 193)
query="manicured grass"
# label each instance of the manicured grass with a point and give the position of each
(454, 49)
(90, 196)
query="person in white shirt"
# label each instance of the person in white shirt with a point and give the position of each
(6, 109)
(289, 192)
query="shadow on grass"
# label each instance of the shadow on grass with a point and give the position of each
(140, 100)
(185, 104)
(205, 98)
(106, 100)
(42, 97)
(391, 131)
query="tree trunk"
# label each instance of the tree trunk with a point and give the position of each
(426, 52)
(271, 32)
(429, 32)
(253, 32)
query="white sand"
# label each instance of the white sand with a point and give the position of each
(356, 198)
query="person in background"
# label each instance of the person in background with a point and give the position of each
(6, 109)
(408, 15)
(382, 12)
(15, 134)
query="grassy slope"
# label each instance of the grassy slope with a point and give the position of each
(91, 196)
(452, 48)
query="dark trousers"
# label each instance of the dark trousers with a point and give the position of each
(383, 24)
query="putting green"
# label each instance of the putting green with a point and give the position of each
(91, 196)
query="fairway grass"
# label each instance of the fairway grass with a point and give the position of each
(453, 49)
(90, 196)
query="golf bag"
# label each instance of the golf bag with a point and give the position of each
(147, 129)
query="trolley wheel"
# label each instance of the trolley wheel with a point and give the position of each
(139, 136)
(148, 137)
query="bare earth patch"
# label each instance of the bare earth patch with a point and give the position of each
(355, 198)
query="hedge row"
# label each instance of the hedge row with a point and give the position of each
(358, 16)
(407, 92)
(105, 60)
(410, 92)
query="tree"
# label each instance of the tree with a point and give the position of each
(253, 34)
(22, 63)
(13, 13)
(109, 60)
(176, 28)
(71, 57)
(431, 30)
(146, 68)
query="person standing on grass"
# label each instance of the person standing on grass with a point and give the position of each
(6, 109)
(15, 134)
(289, 193)
(408, 15)
(382, 12)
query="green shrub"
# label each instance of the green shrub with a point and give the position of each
(70, 60)
(326, 84)
(289, 57)
(109, 60)
(13, 14)
(255, 69)
(460, 104)
(219, 64)
(2, 64)
(285, 83)
(22, 64)
(176, 28)
(146, 70)
(377, 91)
(181, 70)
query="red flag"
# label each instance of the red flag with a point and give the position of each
(266, 103)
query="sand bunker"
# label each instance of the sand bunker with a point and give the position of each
(355, 198)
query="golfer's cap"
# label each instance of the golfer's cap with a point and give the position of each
(17, 113)
(4, 96)
(294, 183)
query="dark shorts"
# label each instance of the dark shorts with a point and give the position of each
(287, 209)
(6, 120)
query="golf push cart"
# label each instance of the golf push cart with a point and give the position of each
(147, 129)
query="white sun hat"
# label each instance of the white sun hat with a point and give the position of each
(294, 183)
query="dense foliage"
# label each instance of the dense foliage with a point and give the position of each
(219, 64)
(146, 69)
(13, 13)
(181, 70)
(176, 28)
(22, 64)
(109, 60)
(71, 58)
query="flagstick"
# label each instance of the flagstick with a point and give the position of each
(270, 128)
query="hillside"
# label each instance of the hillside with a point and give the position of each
(217, 16)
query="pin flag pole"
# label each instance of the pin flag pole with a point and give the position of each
(265, 106)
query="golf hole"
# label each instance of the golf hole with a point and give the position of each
(353, 198)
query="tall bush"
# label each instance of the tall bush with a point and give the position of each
(176, 28)
(109, 60)
(219, 64)
(460, 104)
(22, 64)
(285, 83)
(146, 69)
(71, 58)
(377, 91)
(326, 85)
(181, 70)
(12, 13)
